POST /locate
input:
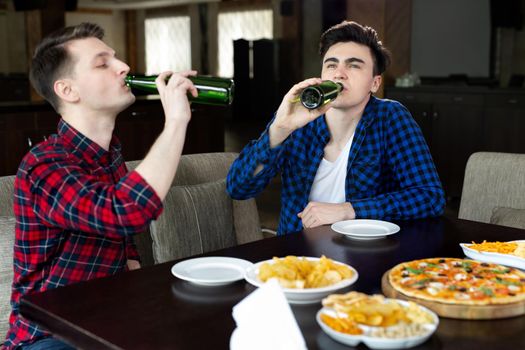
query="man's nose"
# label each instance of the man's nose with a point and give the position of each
(340, 73)
(123, 68)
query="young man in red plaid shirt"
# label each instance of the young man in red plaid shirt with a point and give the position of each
(77, 207)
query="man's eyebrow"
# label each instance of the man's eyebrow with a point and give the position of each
(104, 54)
(354, 59)
(348, 60)
(331, 59)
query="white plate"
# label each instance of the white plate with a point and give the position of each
(497, 258)
(376, 342)
(365, 229)
(302, 296)
(211, 271)
(237, 342)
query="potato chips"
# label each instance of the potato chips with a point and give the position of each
(375, 310)
(300, 273)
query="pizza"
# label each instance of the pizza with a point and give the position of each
(458, 281)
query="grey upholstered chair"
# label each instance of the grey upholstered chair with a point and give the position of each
(494, 189)
(6, 195)
(7, 237)
(199, 216)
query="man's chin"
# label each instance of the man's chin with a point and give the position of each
(129, 102)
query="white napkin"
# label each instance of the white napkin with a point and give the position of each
(265, 321)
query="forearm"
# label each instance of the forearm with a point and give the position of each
(243, 180)
(411, 203)
(277, 133)
(160, 164)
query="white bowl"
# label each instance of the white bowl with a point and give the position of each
(495, 258)
(376, 342)
(306, 295)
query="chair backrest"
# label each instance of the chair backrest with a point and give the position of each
(6, 195)
(7, 239)
(198, 214)
(493, 181)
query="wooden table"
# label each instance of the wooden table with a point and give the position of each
(151, 309)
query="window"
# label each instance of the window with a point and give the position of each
(249, 25)
(168, 45)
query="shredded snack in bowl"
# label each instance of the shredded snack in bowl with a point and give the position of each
(494, 247)
(301, 273)
(512, 248)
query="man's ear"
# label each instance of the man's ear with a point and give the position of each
(65, 90)
(376, 83)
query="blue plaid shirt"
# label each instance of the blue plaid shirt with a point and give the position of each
(390, 173)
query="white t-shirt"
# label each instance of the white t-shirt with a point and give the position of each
(329, 181)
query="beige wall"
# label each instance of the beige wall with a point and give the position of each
(112, 21)
(312, 30)
(13, 35)
(12, 39)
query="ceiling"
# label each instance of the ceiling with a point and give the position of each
(135, 4)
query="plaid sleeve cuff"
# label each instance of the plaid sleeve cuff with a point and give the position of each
(131, 249)
(265, 154)
(142, 194)
(367, 209)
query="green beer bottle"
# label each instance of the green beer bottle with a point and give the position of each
(318, 95)
(212, 90)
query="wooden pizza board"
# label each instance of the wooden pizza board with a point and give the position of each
(468, 312)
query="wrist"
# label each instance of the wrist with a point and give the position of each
(349, 212)
(278, 133)
(175, 124)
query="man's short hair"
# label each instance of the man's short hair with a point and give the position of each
(52, 60)
(349, 31)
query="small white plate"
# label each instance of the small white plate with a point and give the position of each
(376, 342)
(306, 295)
(211, 271)
(237, 342)
(365, 229)
(497, 258)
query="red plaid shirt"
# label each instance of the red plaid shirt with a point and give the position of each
(76, 211)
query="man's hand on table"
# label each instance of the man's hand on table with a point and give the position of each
(133, 265)
(317, 214)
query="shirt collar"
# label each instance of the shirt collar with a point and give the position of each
(321, 130)
(321, 127)
(370, 111)
(88, 148)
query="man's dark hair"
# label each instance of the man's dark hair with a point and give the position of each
(52, 60)
(348, 31)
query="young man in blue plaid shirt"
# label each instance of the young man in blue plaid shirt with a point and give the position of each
(355, 157)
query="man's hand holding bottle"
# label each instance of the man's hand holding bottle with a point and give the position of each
(173, 95)
(292, 115)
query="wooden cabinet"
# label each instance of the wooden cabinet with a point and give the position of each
(23, 125)
(458, 121)
(505, 123)
(23, 128)
(456, 133)
(137, 128)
